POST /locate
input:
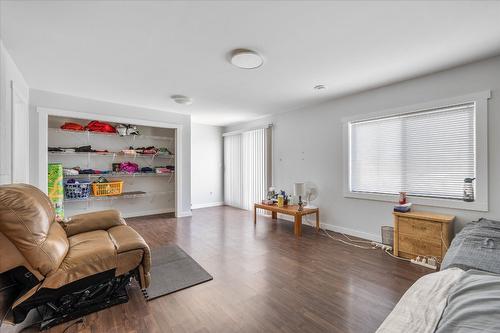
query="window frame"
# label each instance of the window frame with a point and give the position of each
(481, 130)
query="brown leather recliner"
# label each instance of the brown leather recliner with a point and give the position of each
(68, 269)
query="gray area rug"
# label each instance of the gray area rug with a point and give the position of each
(172, 270)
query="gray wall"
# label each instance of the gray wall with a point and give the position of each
(206, 166)
(71, 103)
(308, 144)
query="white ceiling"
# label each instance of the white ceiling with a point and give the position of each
(141, 52)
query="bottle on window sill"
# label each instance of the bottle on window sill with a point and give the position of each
(468, 190)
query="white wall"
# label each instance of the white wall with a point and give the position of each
(8, 73)
(206, 166)
(308, 144)
(71, 103)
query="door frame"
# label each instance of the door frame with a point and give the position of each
(18, 94)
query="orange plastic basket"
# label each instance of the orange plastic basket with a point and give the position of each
(110, 188)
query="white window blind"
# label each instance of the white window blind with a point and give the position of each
(245, 168)
(426, 153)
(233, 180)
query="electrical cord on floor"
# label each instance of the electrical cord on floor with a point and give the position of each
(395, 257)
(350, 242)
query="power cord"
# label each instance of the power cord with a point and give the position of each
(350, 241)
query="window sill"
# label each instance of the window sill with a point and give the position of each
(481, 206)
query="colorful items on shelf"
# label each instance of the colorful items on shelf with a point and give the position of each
(93, 126)
(55, 187)
(72, 127)
(97, 126)
(165, 169)
(151, 150)
(81, 149)
(76, 189)
(124, 130)
(129, 167)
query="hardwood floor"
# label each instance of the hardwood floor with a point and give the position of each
(265, 280)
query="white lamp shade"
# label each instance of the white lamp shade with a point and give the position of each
(299, 189)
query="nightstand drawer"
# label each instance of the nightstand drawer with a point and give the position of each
(417, 246)
(420, 228)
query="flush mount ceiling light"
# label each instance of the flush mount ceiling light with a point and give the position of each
(246, 59)
(319, 87)
(181, 99)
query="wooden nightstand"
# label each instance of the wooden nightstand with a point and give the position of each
(422, 234)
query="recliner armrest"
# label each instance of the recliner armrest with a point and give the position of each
(102, 220)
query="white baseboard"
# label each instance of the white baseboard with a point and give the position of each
(184, 214)
(335, 228)
(206, 205)
(352, 232)
(149, 212)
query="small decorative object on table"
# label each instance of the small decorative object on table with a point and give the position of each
(299, 189)
(403, 208)
(402, 198)
(281, 200)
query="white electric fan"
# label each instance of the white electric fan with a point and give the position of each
(312, 194)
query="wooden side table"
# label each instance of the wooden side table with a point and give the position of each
(422, 234)
(292, 210)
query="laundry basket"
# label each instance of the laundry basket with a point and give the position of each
(114, 187)
(79, 190)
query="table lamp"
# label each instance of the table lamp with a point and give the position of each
(299, 189)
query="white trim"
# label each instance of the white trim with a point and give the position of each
(334, 228)
(352, 232)
(207, 205)
(184, 214)
(150, 212)
(44, 112)
(481, 202)
(17, 93)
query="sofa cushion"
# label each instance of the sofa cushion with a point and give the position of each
(89, 253)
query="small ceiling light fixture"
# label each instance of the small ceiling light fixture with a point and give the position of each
(181, 99)
(246, 59)
(319, 87)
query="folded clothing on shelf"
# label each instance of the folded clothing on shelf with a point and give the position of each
(72, 127)
(81, 149)
(97, 126)
(71, 171)
(129, 167)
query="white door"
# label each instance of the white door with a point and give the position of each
(20, 136)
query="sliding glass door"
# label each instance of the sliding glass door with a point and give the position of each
(246, 167)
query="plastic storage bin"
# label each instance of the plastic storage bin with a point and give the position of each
(77, 191)
(109, 188)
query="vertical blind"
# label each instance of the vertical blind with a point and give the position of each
(245, 168)
(426, 153)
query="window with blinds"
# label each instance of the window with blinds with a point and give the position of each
(426, 153)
